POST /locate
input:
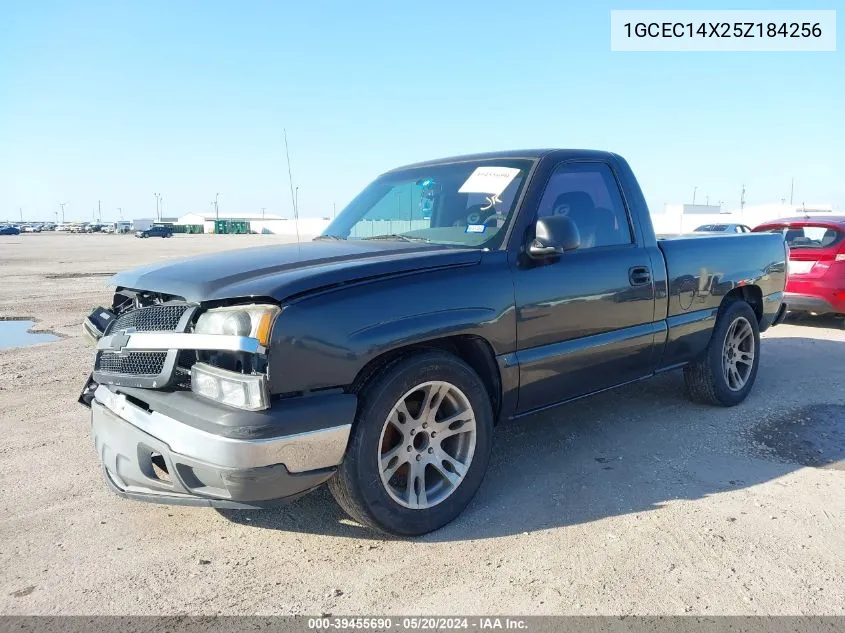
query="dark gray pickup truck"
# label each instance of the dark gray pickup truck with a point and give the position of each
(448, 296)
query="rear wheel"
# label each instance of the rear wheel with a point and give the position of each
(419, 447)
(725, 373)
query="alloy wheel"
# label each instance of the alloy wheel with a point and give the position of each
(427, 444)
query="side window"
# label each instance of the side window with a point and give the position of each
(588, 193)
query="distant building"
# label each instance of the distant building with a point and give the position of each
(694, 209)
(142, 224)
(268, 223)
(199, 218)
(210, 222)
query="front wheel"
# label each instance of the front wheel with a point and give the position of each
(419, 446)
(725, 373)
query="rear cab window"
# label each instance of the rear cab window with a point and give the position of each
(809, 236)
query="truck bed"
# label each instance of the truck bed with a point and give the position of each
(701, 270)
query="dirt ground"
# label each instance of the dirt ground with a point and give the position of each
(635, 502)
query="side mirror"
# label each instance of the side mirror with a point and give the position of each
(555, 235)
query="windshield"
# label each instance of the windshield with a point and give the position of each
(463, 204)
(809, 236)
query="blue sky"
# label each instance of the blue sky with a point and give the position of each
(113, 101)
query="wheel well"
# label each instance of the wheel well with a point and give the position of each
(473, 350)
(752, 295)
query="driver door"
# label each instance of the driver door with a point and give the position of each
(584, 318)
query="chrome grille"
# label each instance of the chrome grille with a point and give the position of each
(151, 319)
(133, 363)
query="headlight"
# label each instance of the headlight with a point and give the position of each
(254, 321)
(244, 391)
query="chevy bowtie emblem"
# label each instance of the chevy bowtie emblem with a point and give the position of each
(119, 341)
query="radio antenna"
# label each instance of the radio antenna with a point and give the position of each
(292, 195)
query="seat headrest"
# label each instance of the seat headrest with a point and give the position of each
(575, 204)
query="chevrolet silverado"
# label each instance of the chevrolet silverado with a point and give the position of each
(447, 296)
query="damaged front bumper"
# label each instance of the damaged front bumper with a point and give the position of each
(179, 448)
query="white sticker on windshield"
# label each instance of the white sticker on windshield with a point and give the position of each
(475, 228)
(492, 180)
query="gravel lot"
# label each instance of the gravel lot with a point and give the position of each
(629, 503)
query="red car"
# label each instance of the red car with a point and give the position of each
(816, 274)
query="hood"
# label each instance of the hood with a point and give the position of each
(285, 270)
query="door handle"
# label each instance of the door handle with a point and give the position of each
(639, 276)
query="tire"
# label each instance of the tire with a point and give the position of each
(709, 380)
(392, 503)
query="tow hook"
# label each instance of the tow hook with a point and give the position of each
(88, 390)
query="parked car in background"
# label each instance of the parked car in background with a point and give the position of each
(30, 228)
(155, 231)
(816, 271)
(9, 230)
(723, 228)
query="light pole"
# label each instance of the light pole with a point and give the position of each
(216, 207)
(62, 205)
(262, 213)
(694, 189)
(120, 213)
(157, 195)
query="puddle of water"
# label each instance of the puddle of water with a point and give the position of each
(810, 436)
(15, 334)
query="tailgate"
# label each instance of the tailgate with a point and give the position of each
(806, 265)
(814, 250)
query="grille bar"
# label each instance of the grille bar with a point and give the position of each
(151, 319)
(133, 363)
